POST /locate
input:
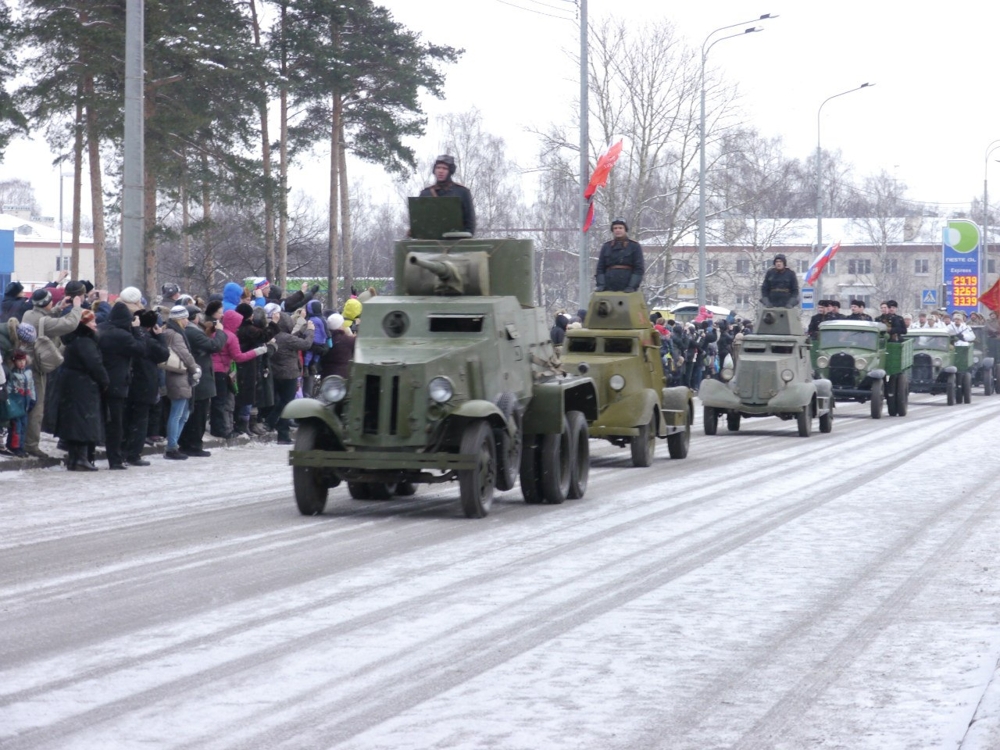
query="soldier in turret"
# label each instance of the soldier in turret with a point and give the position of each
(781, 285)
(444, 170)
(620, 266)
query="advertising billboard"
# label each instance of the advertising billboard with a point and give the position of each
(960, 266)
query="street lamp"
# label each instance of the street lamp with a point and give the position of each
(984, 276)
(819, 181)
(705, 47)
(62, 262)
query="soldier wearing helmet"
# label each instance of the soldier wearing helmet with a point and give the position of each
(620, 266)
(781, 285)
(445, 187)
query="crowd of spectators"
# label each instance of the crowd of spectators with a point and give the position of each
(122, 373)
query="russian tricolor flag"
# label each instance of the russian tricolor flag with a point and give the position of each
(820, 263)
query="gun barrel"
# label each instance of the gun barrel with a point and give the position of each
(442, 270)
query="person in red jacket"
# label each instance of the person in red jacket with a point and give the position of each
(224, 401)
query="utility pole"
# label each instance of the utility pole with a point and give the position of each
(584, 160)
(133, 250)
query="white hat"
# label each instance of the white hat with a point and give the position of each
(335, 321)
(130, 295)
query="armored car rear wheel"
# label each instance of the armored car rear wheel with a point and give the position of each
(877, 398)
(509, 448)
(679, 442)
(733, 421)
(826, 420)
(950, 391)
(557, 460)
(710, 420)
(477, 484)
(531, 472)
(644, 444)
(967, 387)
(902, 394)
(804, 419)
(308, 482)
(580, 448)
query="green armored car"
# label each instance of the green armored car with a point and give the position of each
(772, 377)
(862, 365)
(984, 360)
(939, 366)
(620, 350)
(454, 378)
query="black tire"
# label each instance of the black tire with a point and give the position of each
(643, 445)
(710, 418)
(903, 395)
(308, 482)
(359, 490)
(679, 442)
(967, 387)
(804, 420)
(733, 421)
(509, 449)
(476, 485)
(877, 399)
(531, 470)
(580, 450)
(380, 490)
(556, 464)
(890, 396)
(950, 391)
(826, 420)
(987, 382)
(996, 378)
(405, 489)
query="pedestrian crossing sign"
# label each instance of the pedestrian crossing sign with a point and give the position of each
(928, 297)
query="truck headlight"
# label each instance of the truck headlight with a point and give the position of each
(787, 375)
(822, 360)
(617, 382)
(936, 361)
(333, 389)
(860, 363)
(440, 390)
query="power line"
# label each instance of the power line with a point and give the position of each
(537, 12)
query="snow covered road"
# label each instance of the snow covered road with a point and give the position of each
(769, 591)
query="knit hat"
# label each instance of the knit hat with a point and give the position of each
(27, 333)
(41, 297)
(335, 322)
(178, 312)
(352, 310)
(270, 308)
(75, 289)
(260, 282)
(20, 354)
(130, 296)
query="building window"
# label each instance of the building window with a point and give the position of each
(712, 266)
(859, 266)
(682, 267)
(991, 266)
(921, 266)
(743, 266)
(801, 266)
(831, 268)
(889, 265)
(63, 264)
(742, 298)
(712, 299)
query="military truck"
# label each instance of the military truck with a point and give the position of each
(454, 378)
(984, 361)
(861, 363)
(939, 366)
(772, 377)
(620, 350)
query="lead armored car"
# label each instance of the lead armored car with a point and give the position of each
(772, 377)
(455, 378)
(620, 350)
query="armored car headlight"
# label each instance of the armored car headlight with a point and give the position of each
(333, 389)
(617, 382)
(726, 374)
(936, 361)
(440, 390)
(861, 363)
(822, 360)
(975, 360)
(787, 375)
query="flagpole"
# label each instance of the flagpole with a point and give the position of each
(584, 160)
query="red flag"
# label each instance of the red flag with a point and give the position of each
(600, 176)
(992, 297)
(590, 217)
(820, 262)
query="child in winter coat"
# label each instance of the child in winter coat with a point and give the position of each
(21, 398)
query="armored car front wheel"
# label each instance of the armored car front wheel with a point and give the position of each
(580, 450)
(308, 482)
(733, 421)
(477, 484)
(804, 419)
(531, 469)
(644, 444)
(711, 420)
(557, 465)
(679, 442)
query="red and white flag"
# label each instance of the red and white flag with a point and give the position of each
(820, 263)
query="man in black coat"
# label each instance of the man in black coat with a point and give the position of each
(144, 390)
(120, 342)
(444, 187)
(725, 344)
(892, 321)
(858, 310)
(205, 337)
(620, 266)
(14, 304)
(781, 285)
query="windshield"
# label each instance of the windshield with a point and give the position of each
(855, 339)
(939, 343)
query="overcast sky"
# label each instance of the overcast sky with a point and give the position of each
(927, 121)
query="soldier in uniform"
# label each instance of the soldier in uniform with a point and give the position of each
(858, 311)
(835, 313)
(620, 266)
(894, 323)
(444, 169)
(823, 306)
(781, 285)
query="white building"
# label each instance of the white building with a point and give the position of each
(41, 252)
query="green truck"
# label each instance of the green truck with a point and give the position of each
(939, 366)
(620, 350)
(454, 378)
(863, 365)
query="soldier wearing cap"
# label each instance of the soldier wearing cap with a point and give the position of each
(823, 306)
(892, 321)
(781, 284)
(835, 313)
(858, 310)
(445, 187)
(620, 266)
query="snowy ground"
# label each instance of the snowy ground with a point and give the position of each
(767, 592)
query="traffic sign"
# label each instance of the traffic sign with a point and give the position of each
(807, 298)
(929, 297)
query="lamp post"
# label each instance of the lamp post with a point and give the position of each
(705, 47)
(819, 182)
(62, 261)
(984, 276)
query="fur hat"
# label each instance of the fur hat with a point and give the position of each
(244, 309)
(274, 293)
(148, 318)
(212, 308)
(130, 296)
(14, 289)
(27, 333)
(178, 312)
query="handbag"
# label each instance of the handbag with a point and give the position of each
(47, 354)
(174, 363)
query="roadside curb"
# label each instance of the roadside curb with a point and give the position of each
(11, 463)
